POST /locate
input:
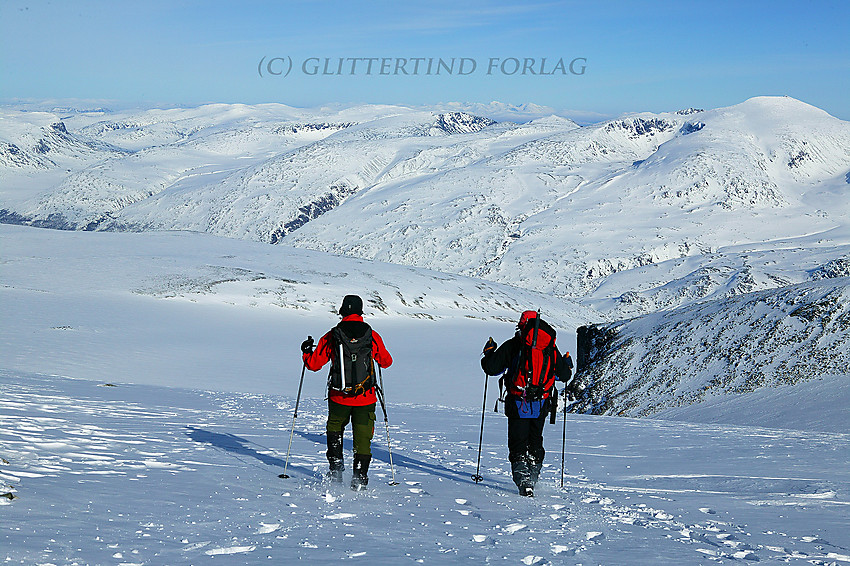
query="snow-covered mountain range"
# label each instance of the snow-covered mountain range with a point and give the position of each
(711, 200)
(690, 210)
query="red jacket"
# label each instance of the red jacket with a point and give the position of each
(322, 355)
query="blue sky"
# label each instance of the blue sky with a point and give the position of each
(637, 56)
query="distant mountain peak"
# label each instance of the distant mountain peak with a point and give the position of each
(460, 123)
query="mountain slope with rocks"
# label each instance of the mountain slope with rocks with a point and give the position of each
(721, 348)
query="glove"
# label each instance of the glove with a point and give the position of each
(307, 345)
(490, 346)
(568, 365)
(574, 390)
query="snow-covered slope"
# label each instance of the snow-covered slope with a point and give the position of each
(159, 149)
(40, 140)
(184, 309)
(543, 204)
(721, 349)
(155, 475)
(279, 195)
(562, 212)
(725, 272)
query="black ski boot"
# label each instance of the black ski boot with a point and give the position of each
(521, 473)
(535, 464)
(360, 480)
(334, 455)
(524, 476)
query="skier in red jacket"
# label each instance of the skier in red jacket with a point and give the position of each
(352, 347)
(531, 363)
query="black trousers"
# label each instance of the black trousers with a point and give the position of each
(525, 443)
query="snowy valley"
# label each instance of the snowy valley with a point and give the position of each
(711, 200)
(149, 341)
(630, 216)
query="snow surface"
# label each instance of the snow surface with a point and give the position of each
(820, 404)
(148, 475)
(193, 310)
(167, 450)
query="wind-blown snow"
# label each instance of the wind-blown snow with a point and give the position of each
(149, 475)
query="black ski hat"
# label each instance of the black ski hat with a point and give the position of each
(351, 304)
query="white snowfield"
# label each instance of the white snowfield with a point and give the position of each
(194, 310)
(155, 473)
(148, 475)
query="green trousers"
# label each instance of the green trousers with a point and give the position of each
(362, 424)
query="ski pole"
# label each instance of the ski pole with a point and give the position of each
(477, 477)
(294, 416)
(566, 396)
(564, 437)
(380, 390)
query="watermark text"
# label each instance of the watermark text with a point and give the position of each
(422, 66)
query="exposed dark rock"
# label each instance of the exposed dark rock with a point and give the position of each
(315, 208)
(691, 127)
(461, 123)
(736, 345)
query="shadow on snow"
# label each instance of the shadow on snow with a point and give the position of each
(402, 460)
(242, 447)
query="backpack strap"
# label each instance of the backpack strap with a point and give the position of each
(536, 330)
(502, 393)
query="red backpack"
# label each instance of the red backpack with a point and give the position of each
(532, 375)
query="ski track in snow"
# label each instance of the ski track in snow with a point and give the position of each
(147, 475)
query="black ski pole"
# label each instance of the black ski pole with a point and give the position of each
(294, 416)
(477, 477)
(564, 437)
(380, 391)
(553, 405)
